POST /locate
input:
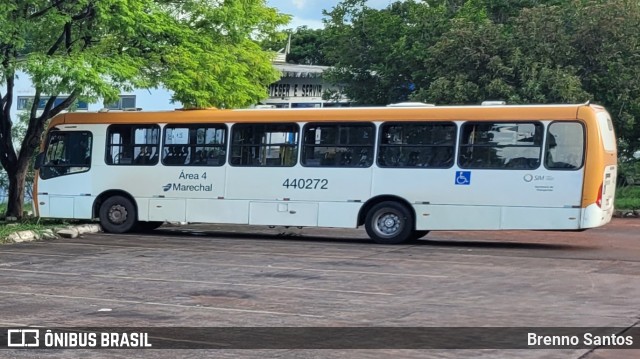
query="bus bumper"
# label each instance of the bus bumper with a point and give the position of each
(594, 216)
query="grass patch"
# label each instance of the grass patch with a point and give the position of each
(37, 225)
(31, 224)
(628, 197)
(7, 229)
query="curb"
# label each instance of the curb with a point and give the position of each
(59, 232)
(627, 213)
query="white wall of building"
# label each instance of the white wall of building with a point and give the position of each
(146, 99)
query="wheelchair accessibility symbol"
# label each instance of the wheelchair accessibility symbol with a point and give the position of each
(463, 178)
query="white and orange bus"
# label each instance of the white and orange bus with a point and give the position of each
(398, 171)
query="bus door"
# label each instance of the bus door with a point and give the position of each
(64, 183)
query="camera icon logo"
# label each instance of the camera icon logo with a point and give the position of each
(23, 338)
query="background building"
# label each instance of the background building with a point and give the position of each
(300, 86)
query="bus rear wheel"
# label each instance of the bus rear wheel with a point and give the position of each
(389, 223)
(117, 214)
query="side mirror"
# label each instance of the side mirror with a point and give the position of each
(39, 161)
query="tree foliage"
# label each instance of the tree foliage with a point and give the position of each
(377, 54)
(467, 51)
(207, 52)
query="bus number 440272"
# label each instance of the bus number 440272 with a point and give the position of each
(306, 183)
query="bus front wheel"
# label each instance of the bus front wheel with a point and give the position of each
(389, 223)
(117, 214)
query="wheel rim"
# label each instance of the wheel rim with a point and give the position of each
(118, 214)
(387, 223)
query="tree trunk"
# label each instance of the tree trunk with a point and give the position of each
(18, 173)
(16, 189)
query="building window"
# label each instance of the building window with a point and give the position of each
(24, 103)
(343, 145)
(279, 105)
(511, 145)
(264, 145)
(133, 145)
(414, 144)
(306, 105)
(123, 103)
(194, 145)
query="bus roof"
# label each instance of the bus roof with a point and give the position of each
(355, 114)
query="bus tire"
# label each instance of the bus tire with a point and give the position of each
(389, 223)
(143, 226)
(117, 214)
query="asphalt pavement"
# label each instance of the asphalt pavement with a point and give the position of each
(238, 276)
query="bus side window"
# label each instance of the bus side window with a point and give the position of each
(365, 159)
(443, 158)
(144, 156)
(500, 145)
(264, 145)
(194, 145)
(67, 153)
(338, 145)
(565, 146)
(132, 145)
(417, 144)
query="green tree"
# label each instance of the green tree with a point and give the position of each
(591, 45)
(207, 52)
(526, 60)
(606, 39)
(376, 54)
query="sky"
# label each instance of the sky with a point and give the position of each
(309, 12)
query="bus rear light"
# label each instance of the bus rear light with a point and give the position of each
(599, 199)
